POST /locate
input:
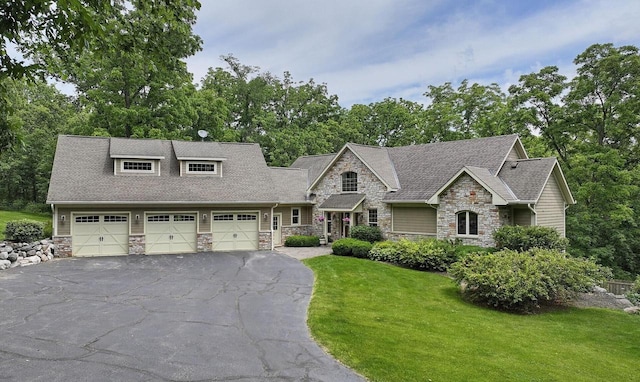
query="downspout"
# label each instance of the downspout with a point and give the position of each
(535, 214)
(55, 221)
(273, 246)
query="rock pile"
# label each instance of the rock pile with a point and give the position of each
(20, 254)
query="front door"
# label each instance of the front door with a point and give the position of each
(277, 229)
(346, 224)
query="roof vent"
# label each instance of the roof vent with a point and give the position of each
(514, 164)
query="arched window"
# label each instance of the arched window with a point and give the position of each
(349, 181)
(467, 223)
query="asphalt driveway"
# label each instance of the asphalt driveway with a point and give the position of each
(197, 317)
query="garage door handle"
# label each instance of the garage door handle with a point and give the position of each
(235, 235)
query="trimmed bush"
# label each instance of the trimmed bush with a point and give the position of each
(521, 281)
(464, 250)
(524, 238)
(366, 233)
(24, 230)
(351, 247)
(302, 241)
(387, 251)
(426, 254)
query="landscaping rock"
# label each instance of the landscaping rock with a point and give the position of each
(4, 264)
(13, 256)
(633, 310)
(43, 257)
(44, 242)
(31, 252)
(8, 248)
(599, 289)
(4, 255)
(30, 260)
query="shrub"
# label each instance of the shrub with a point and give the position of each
(387, 251)
(24, 230)
(351, 247)
(524, 238)
(634, 294)
(521, 281)
(426, 254)
(366, 233)
(302, 241)
(464, 250)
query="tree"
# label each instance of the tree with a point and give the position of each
(137, 83)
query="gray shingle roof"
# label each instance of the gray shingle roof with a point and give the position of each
(423, 169)
(342, 201)
(290, 183)
(377, 158)
(135, 148)
(527, 177)
(185, 150)
(83, 172)
(314, 163)
(494, 183)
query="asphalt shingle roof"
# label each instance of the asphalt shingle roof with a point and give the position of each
(290, 183)
(135, 148)
(377, 158)
(314, 163)
(493, 182)
(185, 150)
(83, 172)
(527, 177)
(342, 201)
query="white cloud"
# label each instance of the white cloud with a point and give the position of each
(368, 50)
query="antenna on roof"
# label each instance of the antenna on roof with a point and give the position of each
(203, 134)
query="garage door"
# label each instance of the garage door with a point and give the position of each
(170, 233)
(100, 235)
(232, 231)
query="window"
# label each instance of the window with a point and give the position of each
(349, 182)
(467, 223)
(88, 219)
(158, 218)
(223, 217)
(247, 217)
(295, 216)
(201, 168)
(373, 217)
(329, 223)
(184, 218)
(115, 219)
(137, 166)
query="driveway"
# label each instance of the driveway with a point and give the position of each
(198, 317)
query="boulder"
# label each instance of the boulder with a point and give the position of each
(43, 257)
(4, 264)
(30, 260)
(632, 310)
(44, 242)
(599, 289)
(31, 252)
(8, 248)
(4, 255)
(13, 256)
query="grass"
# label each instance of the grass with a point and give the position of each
(395, 324)
(6, 216)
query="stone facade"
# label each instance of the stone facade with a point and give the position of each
(63, 246)
(205, 241)
(264, 240)
(294, 230)
(137, 244)
(368, 184)
(468, 195)
(409, 236)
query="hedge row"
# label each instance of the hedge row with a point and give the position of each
(351, 247)
(24, 230)
(524, 238)
(302, 241)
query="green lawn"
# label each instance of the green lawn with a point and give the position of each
(6, 216)
(395, 324)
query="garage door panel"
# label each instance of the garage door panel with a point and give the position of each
(171, 233)
(100, 235)
(235, 231)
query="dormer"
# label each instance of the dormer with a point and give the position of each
(199, 158)
(135, 157)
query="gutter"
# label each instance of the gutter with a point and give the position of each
(535, 214)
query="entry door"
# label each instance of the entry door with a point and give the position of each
(277, 229)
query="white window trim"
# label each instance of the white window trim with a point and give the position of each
(153, 166)
(214, 172)
(467, 221)
(369, 217)
(299, 215)
(342, 177)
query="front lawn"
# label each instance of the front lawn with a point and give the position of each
(395, 324)
(6, 216)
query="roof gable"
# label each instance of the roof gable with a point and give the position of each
(528, 177)
(500, 193)
(205, 151)
(135, 148)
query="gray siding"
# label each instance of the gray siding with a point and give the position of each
(550, 207)
(414, 220)
(521, 216)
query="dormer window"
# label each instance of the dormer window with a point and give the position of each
(349, 182)
(202, 168)
(137, 166)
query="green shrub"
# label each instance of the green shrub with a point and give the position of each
(634, 294)
(24, 230)
(524, 238)
(386, 251)
(426, 254)
(464, 250)
(302, 241)
(521, 281)
(351, 247)
(366, 233)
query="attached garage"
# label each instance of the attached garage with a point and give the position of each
(235, 231)
(170, 233)
(100, 235)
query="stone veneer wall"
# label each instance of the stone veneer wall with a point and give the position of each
(368, 184)
(137, 244)
(63, 246)
(468, 195)
(296, 230)
(409, 236)
(264, 240)
(204, 243)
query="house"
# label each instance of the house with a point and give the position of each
(117, 196)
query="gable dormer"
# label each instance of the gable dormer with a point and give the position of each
(199, 158)
(135, 157)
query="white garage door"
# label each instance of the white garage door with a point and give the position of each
(100, 235)
(233, 231)
(170, 233)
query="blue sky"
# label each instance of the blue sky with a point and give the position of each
(367, 50)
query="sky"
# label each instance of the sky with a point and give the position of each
(368, 50)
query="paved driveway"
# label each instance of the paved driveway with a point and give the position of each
(213, 317)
